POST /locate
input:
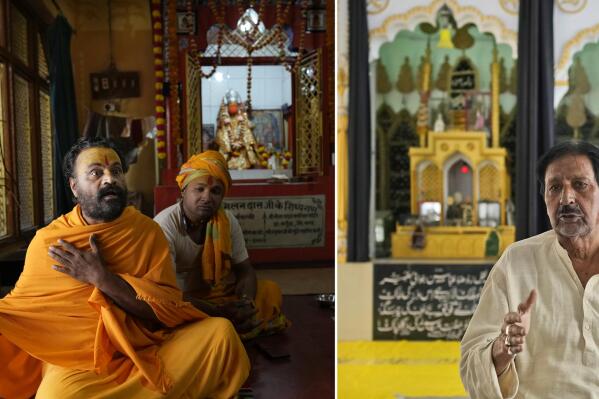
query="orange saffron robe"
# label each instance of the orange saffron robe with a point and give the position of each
(50, 317)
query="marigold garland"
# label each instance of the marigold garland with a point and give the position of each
(157, 49)
(173, 72)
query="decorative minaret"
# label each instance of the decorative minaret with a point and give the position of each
(425, 77)
(495, 71)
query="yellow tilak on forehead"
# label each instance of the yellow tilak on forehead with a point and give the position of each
(194, 175)
(97, 155)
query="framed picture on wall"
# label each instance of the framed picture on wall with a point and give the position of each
(186, 23)
(269, 128)
(316, 20)
(208, 139)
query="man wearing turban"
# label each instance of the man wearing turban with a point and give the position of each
(97, 312)
(208, 250)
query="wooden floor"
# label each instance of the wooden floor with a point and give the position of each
(309, 371)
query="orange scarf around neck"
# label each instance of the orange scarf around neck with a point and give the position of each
(216, 255)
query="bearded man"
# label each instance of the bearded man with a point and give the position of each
(97, 312)
(535, 331)
(212, 264)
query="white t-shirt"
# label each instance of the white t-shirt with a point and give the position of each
(186, 254)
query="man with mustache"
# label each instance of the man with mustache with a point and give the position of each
(97, 312)
(212, 264)
(535, 332)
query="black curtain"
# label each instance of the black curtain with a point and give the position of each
(62, 98)
(358, 135)
(535, 121)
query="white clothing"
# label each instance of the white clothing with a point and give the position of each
(186, 254)
(561, 355)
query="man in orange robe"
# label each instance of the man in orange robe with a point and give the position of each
(212, 265)
(97, 312)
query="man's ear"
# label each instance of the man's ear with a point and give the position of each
(73, 185)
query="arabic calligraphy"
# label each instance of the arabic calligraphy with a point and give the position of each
(426, 301)
(462, 82)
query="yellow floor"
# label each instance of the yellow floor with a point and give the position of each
(398, 369)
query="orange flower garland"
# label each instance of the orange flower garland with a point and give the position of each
(157, 38)
(173, 72)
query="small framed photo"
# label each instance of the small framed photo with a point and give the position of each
(186, 23)
(208, 139)
(269, 129)
(430, 213)
(316, 20)
(489, 213)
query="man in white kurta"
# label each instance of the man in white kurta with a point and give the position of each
(535, 333)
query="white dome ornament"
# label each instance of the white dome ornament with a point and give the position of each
(439, 124)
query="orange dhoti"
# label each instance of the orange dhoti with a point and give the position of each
(63, 338)
(214, 279)
(197, 357)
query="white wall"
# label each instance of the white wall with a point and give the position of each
(489, 16)
(575, 24)
(271, 88)
(354, 301)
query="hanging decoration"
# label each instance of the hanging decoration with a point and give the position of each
(281, 37)
(444, 76)
(194, 54)
(112, 83)
(174, 116)
(444, 19)
(157, 39)
(383, 86)
(251, 35)
(405, 80)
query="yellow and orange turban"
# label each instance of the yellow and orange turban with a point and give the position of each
(216, 255)
(207, 163)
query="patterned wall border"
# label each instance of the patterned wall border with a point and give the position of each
(572, 46)
(463, 14)
(571, 6)
(510, 6)
(566, 6)
(376, 6)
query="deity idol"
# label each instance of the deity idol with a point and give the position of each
(234, 133)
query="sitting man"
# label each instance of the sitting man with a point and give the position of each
(208, 250)
(97, 312)
(534, 333)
